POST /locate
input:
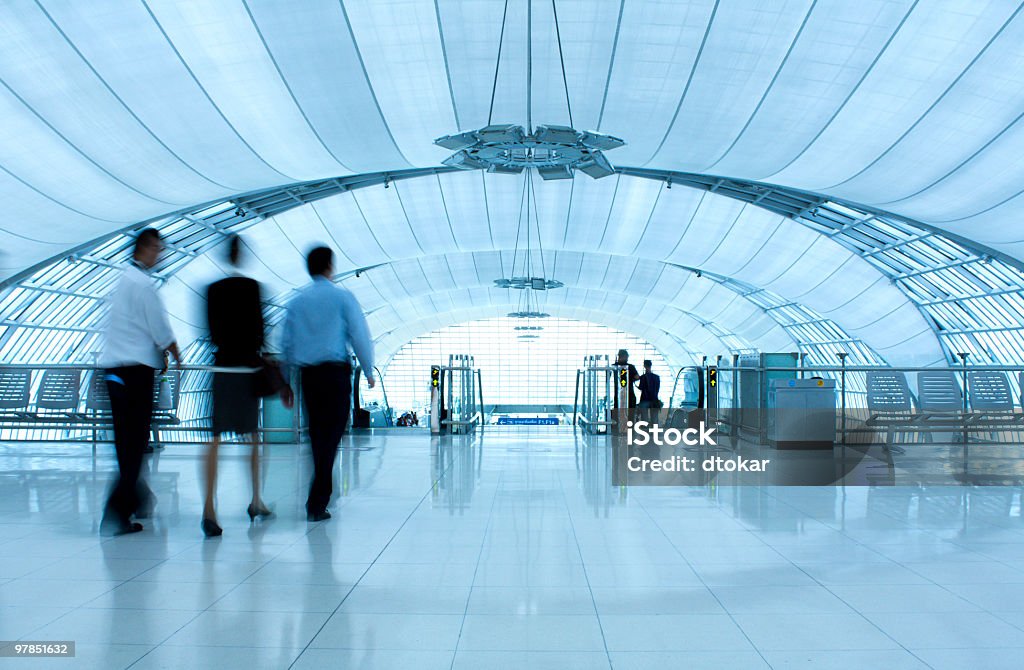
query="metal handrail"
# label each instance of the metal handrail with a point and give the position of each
(91, 366)
(876, 368)
(477, 417)
(384, 391)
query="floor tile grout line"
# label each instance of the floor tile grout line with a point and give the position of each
(867, 537)
(476, 568)
(902, 564)
(825, 586)
(398, 530)
(586, 576)
(120, 583)
(639, 501)
(72, 610)
(908, 526)
(208, 607)
(895, 562)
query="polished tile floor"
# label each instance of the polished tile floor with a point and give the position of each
(508, 549)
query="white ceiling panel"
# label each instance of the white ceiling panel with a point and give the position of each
(118, 112)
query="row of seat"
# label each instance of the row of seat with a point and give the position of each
(940, 399)
(58, 396)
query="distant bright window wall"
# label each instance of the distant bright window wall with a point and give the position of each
(517, 371)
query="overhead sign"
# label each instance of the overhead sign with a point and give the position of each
(527, 421)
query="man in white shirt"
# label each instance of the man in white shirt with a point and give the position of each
(138, 338)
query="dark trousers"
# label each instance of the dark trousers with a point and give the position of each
(327, 393)
(131, 403)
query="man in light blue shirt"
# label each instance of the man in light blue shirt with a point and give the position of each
(322, 322)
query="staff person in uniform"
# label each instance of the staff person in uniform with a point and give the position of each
(622, 359)
(138, 338)
(234, 310)
(323, 320)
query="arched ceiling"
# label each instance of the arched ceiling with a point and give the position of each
(121, 112)
(614, 236)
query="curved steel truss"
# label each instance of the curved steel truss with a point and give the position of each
(971, 295)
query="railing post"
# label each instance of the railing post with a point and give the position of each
(842, 382)
(480, 390)
(576, 397)
(963, 376)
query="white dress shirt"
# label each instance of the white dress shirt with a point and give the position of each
(138, 330)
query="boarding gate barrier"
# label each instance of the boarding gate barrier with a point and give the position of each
(456, 396)
(602, 395)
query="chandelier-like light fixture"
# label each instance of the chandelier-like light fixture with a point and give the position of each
(554, 151)
(528, 314)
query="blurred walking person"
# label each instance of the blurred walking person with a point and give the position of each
(234, 310)
(322, 323)
(138, 339)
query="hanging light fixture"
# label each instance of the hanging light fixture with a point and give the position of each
(554, 151)
(529, 309)
(528, 271)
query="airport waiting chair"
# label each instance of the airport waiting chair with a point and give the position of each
(992, 403)
(890, 405)
(165, 417)
(888, 393)
(97, 403)
(989, 392)
(941, 402)
(59, 391)
(15, 385)
(97, 399)
(939, 391)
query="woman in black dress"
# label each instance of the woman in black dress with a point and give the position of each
(235, 316)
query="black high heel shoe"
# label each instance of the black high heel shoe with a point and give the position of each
(211, 529)
(262, 513)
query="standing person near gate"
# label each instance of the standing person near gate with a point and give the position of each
(322, 322)
(622, 358)
(234, 310)
(624, 414)
(650, 385)
(138, 339)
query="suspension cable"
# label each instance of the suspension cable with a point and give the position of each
(561, 57)
(497, 64)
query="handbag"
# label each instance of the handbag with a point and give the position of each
(269, 379)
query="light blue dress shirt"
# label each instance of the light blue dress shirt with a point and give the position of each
(322, 322)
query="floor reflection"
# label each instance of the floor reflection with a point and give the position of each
(489, 549)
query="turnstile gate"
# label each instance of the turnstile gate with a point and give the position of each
(605, 395)
(456, 402)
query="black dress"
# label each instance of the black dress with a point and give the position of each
(235, 315)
